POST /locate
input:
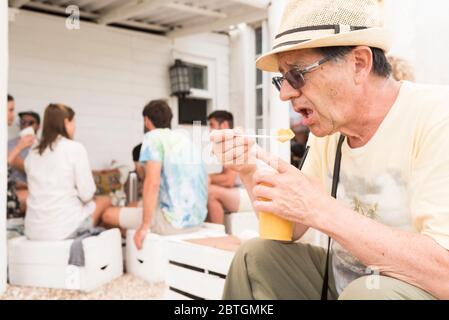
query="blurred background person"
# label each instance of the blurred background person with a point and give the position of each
(60, 182)
(139, 168)
(175, 188)
(28, 119)
(298, 143)
(225, 191)
(401, 69)
(16, 198)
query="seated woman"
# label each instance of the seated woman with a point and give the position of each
(60, 182)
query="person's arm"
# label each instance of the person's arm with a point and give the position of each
(152, 155)
(18, 163)
(225, 179)
(150, 199)
(411, 257)
(84, 180)
(140, 170)
(14, 158)
(151, 191)
(139, 167)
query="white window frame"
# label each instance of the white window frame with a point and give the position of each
(264, 85)
(209, 94)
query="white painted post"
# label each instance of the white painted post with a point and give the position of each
(3, 138)
(279, 116)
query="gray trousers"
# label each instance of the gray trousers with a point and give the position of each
(266, 269)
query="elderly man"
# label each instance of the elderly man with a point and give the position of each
(383, 143)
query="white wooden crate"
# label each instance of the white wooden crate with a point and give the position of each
(151, 262)
(196, 271)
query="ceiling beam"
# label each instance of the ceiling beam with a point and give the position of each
(143, 25)
(93, 16)
(196, 10)
(261, 4)
(18, 3)
(57, 9)
(219, 25)
(125, 12)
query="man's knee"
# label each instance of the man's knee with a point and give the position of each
(376, 287)
(258, 250)
(111, 217)
(212, 192)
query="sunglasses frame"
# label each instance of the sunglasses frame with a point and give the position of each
(28, 123)
(295, 76)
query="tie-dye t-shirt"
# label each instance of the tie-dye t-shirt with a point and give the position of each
(399, 178)
(183, 189)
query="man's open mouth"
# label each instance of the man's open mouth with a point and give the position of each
(305, 112)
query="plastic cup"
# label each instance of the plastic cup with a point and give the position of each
(273, 227)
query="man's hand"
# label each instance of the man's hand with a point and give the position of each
(26, 141)
(139, 236)
(289, 192)
(233, 151)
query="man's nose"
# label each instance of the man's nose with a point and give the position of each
(287, 92)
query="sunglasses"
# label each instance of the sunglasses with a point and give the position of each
(27, 123)
(295, 76)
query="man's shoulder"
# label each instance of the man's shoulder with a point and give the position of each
(427, 95)
(428, 104)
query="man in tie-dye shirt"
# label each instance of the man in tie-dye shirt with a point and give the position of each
(175, 186)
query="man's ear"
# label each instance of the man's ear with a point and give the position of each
(148, 124)
(363, 63)
(225, 125)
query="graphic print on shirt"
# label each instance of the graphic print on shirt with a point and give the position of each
(363, 195)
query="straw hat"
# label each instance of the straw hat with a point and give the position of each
(327, 23)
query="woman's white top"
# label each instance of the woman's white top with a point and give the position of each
(61, 188)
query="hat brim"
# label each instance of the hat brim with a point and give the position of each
(372, 37)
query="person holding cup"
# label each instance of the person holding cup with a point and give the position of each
(17, 192)
(376, 178)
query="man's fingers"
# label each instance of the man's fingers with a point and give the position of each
(223, 146)
(265, 177)
(273, 161)
(264, 206)
(229, 152)
(138, 239)
(240, 153)
(137, 243)
(221, 135)
(262, 192)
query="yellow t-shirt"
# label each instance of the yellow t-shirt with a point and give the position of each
(399, 178)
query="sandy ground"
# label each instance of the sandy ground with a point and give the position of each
(126, 287)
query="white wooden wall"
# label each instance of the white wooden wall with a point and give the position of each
(106, 74)
(3, 132)
(421, 32)
(242, 87)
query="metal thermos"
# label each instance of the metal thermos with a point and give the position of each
(132, 188)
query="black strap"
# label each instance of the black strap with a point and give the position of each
(335, 180)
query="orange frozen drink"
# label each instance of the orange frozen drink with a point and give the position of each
(273, 227)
